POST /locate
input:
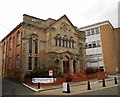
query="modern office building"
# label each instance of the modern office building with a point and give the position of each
(35, 42)
(101, 46)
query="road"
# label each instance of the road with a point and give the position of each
(14, 88)
(106, 91)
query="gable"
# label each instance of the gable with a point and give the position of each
(64, 26)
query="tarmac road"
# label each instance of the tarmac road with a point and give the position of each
(12, 88)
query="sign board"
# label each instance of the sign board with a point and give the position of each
(50, 72)
(64, 87)
(42, 80)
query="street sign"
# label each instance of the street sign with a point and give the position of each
(42, 80)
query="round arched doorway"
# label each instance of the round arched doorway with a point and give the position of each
(66, 64)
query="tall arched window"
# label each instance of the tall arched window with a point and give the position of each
(30, 45)
(36, 46)
(33, 51)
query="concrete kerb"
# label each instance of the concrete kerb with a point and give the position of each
(71, 85)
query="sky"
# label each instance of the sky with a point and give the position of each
(80, 12)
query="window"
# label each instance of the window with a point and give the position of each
(97, 30)
(60, 41)
(56, 39)
(92, 32)
(88, 32)
(18, 38)
(66, 42)
(94, 44)
(36, 62)
(63, 40)
(30, 63)
(9, 64)
(36, 46)
(69, 43)
(30, 45)
(98, 43)
(85, 33)
(10, 43)
(18, 62)
(89, 45)
(72, 43)
(86, 45)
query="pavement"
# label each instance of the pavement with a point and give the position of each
(75, 87)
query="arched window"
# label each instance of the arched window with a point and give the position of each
(59, 41)
(18, 37)
(36, 62)
(18, 62)
(72, 43)
(30, 63)
(30, 45)
(63, 40)
(36, 46)
(56, 41)
(10, 64)
(66, 42)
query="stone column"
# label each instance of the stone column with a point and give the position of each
(71, 64)
(61, 64)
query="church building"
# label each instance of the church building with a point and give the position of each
(35, 42)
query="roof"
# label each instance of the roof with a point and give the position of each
(48, 22)
(97, 24)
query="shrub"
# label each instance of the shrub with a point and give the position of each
(61, 75)
(91, 70)
(37, 73)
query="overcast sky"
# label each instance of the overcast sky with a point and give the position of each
(80, 12)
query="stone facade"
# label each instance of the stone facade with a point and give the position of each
(44, 42)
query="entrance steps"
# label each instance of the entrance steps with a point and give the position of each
(76, 77)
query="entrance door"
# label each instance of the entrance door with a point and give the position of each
(66, 66)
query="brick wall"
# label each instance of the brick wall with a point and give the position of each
(108, 46)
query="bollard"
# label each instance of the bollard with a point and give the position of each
(38, 85)
(88, 86)
(104, 83)
(68, 88)
(115, 80)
